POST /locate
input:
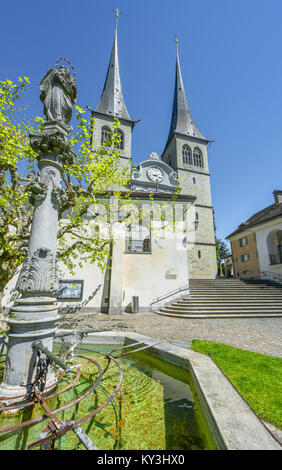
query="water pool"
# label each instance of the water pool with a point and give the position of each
(157, 408)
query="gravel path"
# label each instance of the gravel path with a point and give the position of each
(261, 335)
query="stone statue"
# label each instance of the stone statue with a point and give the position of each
(58, 93)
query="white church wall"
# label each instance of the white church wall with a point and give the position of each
(150, 276)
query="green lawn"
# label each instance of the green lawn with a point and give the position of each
(257, 377)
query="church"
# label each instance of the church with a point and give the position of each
(145, 264)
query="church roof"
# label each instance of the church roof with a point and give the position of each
(112, 101)
(181, 120)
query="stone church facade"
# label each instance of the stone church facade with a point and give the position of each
(148, 265)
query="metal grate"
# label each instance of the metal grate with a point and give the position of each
(138, 246)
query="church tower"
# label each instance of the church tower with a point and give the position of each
(112, 105)
(186, 152)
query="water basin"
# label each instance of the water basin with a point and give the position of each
(156, 408)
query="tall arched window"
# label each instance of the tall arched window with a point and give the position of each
(120, 145)
(198, 158)
(105, 134)
(186, 155)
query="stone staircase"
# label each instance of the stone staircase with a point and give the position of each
(228, 298)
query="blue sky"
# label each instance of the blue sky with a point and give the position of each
(230, 53)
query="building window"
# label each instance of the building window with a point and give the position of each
(194, 180)
(186, 155)
(245, 257)
(120, 145)
(199, 254)
(105, 134)
(198, 158)
(138, 238)
(243, 241)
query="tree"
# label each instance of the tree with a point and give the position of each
(90, 174)
(223, 249)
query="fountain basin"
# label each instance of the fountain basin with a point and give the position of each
(220, 418)
(234, 426)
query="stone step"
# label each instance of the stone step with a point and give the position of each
(260, 287)
(220, 315)
(237, 308)
(228, 302)
(236, 295)
(234, 291)
(235, 284)
(227, 298)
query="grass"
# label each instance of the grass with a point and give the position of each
(257, 377)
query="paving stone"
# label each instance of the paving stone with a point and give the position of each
(261, 335)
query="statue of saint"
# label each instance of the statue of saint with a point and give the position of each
(58, 94)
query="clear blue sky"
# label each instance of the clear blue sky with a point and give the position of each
(231, 61)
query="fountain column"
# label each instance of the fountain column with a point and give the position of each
(33, 316)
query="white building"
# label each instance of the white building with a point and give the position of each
(257, 243)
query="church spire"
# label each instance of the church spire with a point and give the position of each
(181, 121)
(112, 101)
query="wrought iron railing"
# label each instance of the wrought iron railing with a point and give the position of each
(138, 246)
(276, 259)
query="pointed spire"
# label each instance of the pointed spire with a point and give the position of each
(181, 121)
(112, 101)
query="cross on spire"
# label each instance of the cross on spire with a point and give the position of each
(117, 14)
(176, 42)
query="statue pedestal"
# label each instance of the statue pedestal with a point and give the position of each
(31, 319)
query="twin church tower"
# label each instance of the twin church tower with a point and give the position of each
(185, 152)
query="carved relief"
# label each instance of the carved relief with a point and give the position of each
(38, 273)
(60, 197)
(52, 143)
(37, 190)
(154, 156)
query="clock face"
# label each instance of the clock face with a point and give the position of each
(155, 174)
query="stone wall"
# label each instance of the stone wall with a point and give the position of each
(103, 120)
(204, 267)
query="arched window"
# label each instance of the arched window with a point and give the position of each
(186, 155)
(198, 158)
(97, 231)
(105, 134)
(120, 145)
